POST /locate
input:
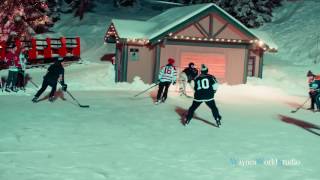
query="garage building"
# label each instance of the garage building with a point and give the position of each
(203, 34)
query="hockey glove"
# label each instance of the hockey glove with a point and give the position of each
(64, 87)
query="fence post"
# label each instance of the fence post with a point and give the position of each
(47, 53)
(33, 50)
(63, 48)
(76, 50)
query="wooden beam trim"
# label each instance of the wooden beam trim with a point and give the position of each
(220, 30)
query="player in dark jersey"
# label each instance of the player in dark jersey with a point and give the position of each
(205, 87)
(187, 76)
(54, 74)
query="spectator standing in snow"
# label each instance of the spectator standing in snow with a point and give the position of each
(187, 76)
(22, 69)
(12, 60)
(54, 74)
(167, 75)
(205, 87)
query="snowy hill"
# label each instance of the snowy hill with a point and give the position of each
(295, 30)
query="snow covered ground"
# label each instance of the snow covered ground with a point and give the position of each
(113, 140)
(122, 137)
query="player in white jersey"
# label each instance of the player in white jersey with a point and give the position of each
(167, 75)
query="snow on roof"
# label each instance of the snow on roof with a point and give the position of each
(266, 38)
(169, 19)
(175, 16)
(133, 28)
(158, 24)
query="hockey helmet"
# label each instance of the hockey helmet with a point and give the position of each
(204, 69)
(191, 64)
(170, 61)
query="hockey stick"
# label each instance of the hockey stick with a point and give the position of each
(80, 105)
(33, 83)
(145, 90)
(298, 108)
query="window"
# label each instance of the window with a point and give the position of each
(134, 54)
(251, 66)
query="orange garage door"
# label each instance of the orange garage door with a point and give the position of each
(215, 62)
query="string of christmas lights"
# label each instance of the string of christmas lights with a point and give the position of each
(111, 33)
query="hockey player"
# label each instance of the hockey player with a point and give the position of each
(314, 90)
(54, 74)
(167, 75)
(186, 76)
(205, 87)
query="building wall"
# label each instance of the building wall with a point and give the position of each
(230, 32)
(143, 66)
(235, 59)
(191, 31)
(118, 63)
(205, 23)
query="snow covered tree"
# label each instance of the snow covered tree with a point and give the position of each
(125, 3)
(23, 18)
(252, 13)
(54, 6)
(80, 7)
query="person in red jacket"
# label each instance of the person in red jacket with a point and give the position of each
(12, 60)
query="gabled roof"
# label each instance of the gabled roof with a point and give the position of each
(157, 25)
(175, 16)
(172, 20)
(133, 29)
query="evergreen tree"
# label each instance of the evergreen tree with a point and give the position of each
(124, 3)
(252, 13)
(80, 7)
(23, 18)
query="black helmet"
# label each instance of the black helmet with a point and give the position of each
(204, 69)
(310, 74)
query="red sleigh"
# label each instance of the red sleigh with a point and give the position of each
(42, 51)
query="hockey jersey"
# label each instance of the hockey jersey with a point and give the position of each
(205, 87)
(12, 61)
(53, 74)
(168, 73)
(191, 73)
(315, 85)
